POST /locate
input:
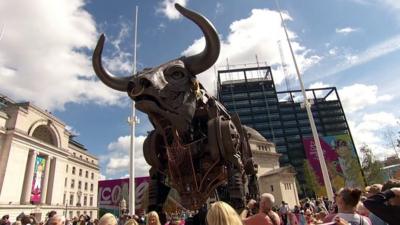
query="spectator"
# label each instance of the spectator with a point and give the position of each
(5, 220)
(220, 213)
(320, 207)
(55, 220)
(265, 214)
(283, 210)
(131, 222)
(152, 218)
(347, 200)
(386, 204)
(108, 219)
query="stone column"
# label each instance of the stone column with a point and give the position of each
(45, 180)
(50, 185)
(27, 187)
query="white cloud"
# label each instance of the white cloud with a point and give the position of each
(72, 130)
(102, 177)
(370, 131)
(117, 157)
(318, 85)
(167, 8)
(42, 57)
(219, 8)
(249, 37)
(378, 50)
(359, 96)
(120, 61)
(346, 30)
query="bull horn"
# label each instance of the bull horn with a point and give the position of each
(204, 60)
(117, 83)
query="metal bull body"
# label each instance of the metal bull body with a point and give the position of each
(196, 147)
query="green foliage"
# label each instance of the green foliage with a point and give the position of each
(352, 169)
(373, 169)
(312, 184)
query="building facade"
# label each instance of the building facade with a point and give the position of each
(41, 167)
(280, 116)
(279, 181)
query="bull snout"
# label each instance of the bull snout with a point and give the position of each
(137, 85)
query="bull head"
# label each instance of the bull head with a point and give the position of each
(166, 92)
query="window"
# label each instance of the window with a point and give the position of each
(80, 172)
(64, 198)
(65, 182)
(73, 170)
(85, 200)
(87, 159)
(86, 186)
(92, 176)
(71, 214)
(66, 169)
(87, 174)
(91, 201)
(90, 214)
(79, 184)
(91, 187)
(272, 188)
(72, 183)
(74, 154)
(92, 161)
(71, 199)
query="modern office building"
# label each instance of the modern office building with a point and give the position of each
(280, 116)
(42, 168)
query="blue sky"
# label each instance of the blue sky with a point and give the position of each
(46, 47)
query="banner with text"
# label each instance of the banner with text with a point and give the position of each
(111, 192)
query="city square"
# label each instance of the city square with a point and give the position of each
(181, 112)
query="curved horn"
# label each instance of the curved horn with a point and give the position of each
(117, 83)
(204, 60)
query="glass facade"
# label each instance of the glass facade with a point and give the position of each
(280, 116)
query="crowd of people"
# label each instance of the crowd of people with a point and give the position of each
(378, 204)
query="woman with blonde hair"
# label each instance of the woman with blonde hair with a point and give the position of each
(108, 219)
(152, 218)
(220, 213)
(131, 222)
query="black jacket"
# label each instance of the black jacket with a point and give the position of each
(377, 204)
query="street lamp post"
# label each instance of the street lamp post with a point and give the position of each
(307, 105)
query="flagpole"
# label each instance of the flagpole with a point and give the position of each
(132, 121)
(307, 104)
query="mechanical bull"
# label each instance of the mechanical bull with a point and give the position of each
(196, 147)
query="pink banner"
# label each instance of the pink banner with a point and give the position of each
(329, 151)
(38, 174)
(111, 192)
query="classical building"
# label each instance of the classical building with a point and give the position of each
(41, 167)
(279, 181)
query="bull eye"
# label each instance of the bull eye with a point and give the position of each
(177, 75)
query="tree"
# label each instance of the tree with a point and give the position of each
(312, 184)
(373, 168)
(351, 168)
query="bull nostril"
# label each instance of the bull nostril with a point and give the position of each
(145, 83)
(131, 87)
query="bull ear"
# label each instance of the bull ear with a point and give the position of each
(205, 59)
(117, 83)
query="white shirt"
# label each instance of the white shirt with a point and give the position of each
(353, 218)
